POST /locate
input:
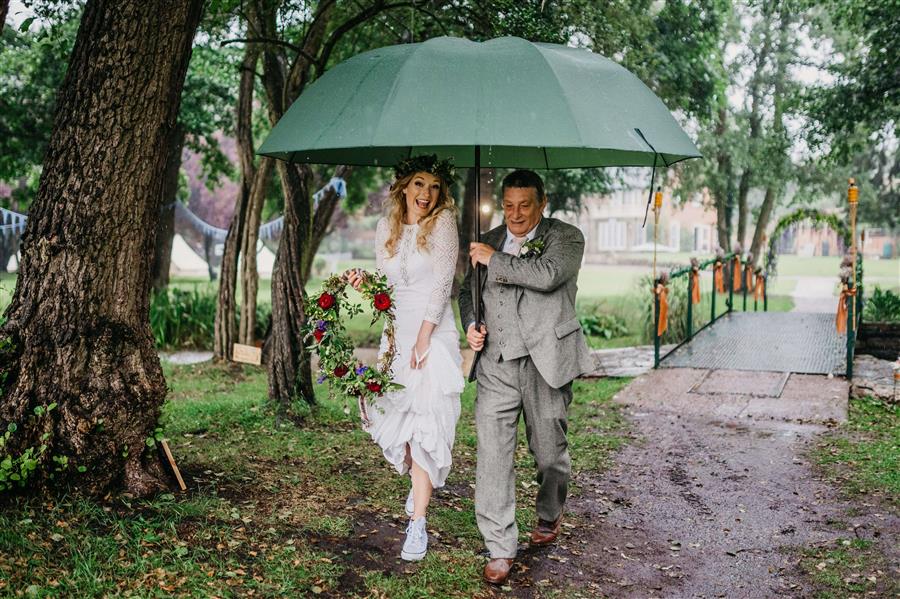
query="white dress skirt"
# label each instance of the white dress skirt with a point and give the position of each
(424, 413)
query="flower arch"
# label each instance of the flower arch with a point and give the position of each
(832, 221)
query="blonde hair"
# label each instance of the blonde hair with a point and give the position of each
(397, 214)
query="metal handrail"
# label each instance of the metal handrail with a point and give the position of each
(728, 272)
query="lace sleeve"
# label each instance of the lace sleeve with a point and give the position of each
(381, 235)
(444, 249)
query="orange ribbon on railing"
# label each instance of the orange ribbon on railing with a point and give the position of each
(719, 277)
(760, 288)
(695, 286)
(737, 273)
(663, 292)
(748, 275)
(840, 320)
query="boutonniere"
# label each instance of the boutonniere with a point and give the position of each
(532, 247)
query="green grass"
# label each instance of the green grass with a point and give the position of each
(849, 568)
(863, 458)
(287, 511)
(863, 455)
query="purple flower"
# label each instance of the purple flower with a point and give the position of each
(321, 379)
(361, 370)
(320, 325)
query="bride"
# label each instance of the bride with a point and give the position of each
(416, 246)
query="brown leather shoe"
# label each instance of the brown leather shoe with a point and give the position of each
(497, 570)
(545, 532)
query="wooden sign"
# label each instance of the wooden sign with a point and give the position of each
(247, 354)
(169, 457)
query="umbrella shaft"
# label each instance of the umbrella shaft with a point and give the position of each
(477, 230)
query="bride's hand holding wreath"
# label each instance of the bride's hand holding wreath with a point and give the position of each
(355, 277)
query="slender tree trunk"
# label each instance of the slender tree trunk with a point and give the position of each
(773, 189)
(4, 9)
(721, 189)
(743, 211)
(324, 213)
(226, 305)
(78, 325)
(466, 229)
(757, 93)
(249, 274)
(165, 232)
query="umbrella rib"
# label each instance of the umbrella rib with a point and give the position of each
(546, 160)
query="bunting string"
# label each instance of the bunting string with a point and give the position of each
(13, 223)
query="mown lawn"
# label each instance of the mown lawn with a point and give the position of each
(294, 511)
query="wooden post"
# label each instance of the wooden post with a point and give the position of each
(655, 328)
(171, 460)
(690, 305)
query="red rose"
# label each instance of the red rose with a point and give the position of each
(373, 387)
(382, 301)
(340, 371)
(326, 300)
(318, 335)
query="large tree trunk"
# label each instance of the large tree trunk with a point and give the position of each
(78, 323)
(165, 232)
(288, 362)
(249, 275)
(226, 304)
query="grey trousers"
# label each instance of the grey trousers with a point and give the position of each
(506, 389)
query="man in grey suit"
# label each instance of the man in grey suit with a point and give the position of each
(531, 348)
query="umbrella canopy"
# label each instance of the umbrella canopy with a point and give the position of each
(526, 105)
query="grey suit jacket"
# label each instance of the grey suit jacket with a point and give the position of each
(545, 289)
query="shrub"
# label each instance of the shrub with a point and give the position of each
(678, 303)
(180, 318)
(882, 306)
(595, 323)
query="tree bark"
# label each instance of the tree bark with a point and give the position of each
(756, 99)
(78, 325)
(165, 232)
(4, 9)
(249, 274)
(469, 208)
(290, 376)
(226, 304)
(773, 188)
(324, 213)
(723, 160)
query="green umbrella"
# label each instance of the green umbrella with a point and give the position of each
(527, 105)
(506, 102)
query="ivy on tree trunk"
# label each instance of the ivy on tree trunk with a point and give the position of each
(78, 330)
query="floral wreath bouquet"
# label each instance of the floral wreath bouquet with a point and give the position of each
(326, 313)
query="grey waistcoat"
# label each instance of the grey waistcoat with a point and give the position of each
(505, 338)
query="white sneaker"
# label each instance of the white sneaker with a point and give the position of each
(410, 504)
(416, 545)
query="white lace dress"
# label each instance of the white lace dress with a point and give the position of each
(424, 413)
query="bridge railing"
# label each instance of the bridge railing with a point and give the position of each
(691, 318)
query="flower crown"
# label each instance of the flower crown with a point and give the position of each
(425, 164)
